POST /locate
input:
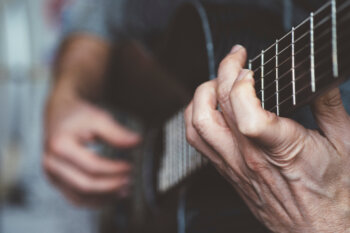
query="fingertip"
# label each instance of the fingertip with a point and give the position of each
(123, 137)
(236, 48)
(245, 74)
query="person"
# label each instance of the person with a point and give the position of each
(292, 178)
(73, 119)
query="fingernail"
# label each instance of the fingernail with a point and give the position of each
(236, 48)
(243, 74)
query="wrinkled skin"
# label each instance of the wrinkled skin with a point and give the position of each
(293, 179)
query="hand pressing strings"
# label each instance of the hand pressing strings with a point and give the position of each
(293, 179)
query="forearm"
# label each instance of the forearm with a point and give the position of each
(80, 67)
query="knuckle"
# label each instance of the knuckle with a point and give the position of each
(254, 165)
(190, 137)
(200, 124)
(333, 99)
(251, 129)
(201, 88)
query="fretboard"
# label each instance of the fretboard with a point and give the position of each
(308, 60)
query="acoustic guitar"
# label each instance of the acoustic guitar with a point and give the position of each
(155, 83)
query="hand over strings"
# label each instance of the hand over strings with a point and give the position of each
(293, 179)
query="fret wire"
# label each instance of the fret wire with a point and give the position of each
(169, 175)
(173, 128)
(178, 146)
(303, 35)
(334, 40)
(277, 93)
(250, 65)
(296, 53)
(340, 9)
(262, 81)
(299, 91)
(297, 40)
(296, 27)
(293, 67)
(164, 158)
(323, 7)
(286, 60)
(312, 53)
(300, 76)
(167, 155)
(319, 77)
(184, 149)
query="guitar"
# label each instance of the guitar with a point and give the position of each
(304, 63)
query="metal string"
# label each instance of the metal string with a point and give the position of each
(308, 85)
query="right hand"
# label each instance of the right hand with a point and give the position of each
(84, 177)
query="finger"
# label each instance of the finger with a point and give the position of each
(229, 69)
(211, 126)
(196, 141)
(81, 183)
(88, 200)
(87, 161)
(108, 129)
(273, 133)
(331, 115)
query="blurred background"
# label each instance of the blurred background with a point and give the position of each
(29, 33)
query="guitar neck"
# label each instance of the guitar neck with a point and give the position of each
(307, 61)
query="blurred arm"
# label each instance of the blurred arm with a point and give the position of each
(80, 66)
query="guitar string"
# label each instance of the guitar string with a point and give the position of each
(299, 51)
(285, 74)
(298, 39)
(308, 85)
(289, 59)
(289, 45)
(282, 52)
(197, 156)
(301, 90)
(316, 13)
(290, 32)
(297, 79)
(289, 71)
(300, 76)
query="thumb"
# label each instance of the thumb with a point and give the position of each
(111, 131)
(330, 114)
(278, 136)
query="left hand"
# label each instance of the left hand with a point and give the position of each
(293, 179)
